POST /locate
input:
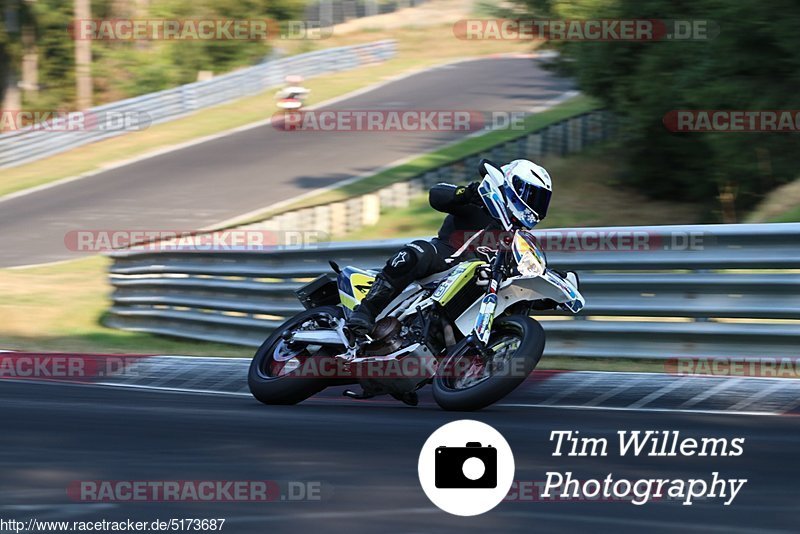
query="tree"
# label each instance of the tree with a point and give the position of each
(752, 64)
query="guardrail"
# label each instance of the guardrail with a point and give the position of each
(33, 143)
(331, 12)
(652, 292)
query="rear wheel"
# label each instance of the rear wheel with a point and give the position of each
(284, 373)
(467, 381)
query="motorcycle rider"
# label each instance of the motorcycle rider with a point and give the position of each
(293, 90)
(531, 187)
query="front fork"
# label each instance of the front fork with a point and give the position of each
(483, 322)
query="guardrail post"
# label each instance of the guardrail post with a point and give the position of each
(573, 135)
(471, 166)
(534, 146)
(353, 207)
(305, 220)
(508, 152)
(370, 209)
(402, 194)
(584, 118)
(416, 187)
(338, 219)
(188, 98)
(545, 144)
(322, 220)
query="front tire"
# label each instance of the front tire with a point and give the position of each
(280, 374)
(452, 388)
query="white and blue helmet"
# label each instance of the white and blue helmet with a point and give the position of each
(528, 189)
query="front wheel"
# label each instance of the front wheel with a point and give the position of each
(283, 373)
(468, 382)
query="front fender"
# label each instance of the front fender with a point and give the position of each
(527, 288)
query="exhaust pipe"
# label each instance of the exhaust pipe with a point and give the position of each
(318, 337)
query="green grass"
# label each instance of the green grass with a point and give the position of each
(586, 192)
(449, 154)
(782, 204)
(58, 308)
(792, 215)
(417, 48)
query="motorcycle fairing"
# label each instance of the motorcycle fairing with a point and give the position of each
(455, 281)
(529, 288)
(354, 284)
(490, 190)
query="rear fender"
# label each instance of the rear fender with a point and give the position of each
(322, 291)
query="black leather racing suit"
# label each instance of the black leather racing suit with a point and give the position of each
(418, 259)
(466, 216)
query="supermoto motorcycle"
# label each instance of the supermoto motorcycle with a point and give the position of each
(466, 331)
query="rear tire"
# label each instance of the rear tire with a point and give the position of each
(493, 388)
(289, 388)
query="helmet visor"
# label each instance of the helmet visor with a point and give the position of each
(537, 199)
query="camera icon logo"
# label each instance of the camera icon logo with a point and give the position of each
(472, 466)
(466, 467)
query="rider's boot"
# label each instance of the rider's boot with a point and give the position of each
(362, 320)
(409, 397)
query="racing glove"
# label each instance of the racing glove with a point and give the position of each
(469, 195)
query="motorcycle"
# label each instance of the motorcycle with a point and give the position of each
(290, 104)
(291, 98)
(466, 331)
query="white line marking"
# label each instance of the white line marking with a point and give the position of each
(510, 405)
(334, 515)
(173, 390)
(239, 219)
(725, 384)
(612, 392)
(628, 409)
(791, 406)
(656, 394)
(568, 391)
(192, 142)
(628, 522)
(760, 395)
(165, 389)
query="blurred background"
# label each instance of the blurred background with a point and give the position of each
(751, 64)
(634, 172)
(208, 159)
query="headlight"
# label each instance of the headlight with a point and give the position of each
(531, 260)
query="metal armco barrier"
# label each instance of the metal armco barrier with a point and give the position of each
(661, 292)
(330, 12)
(30, 144)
